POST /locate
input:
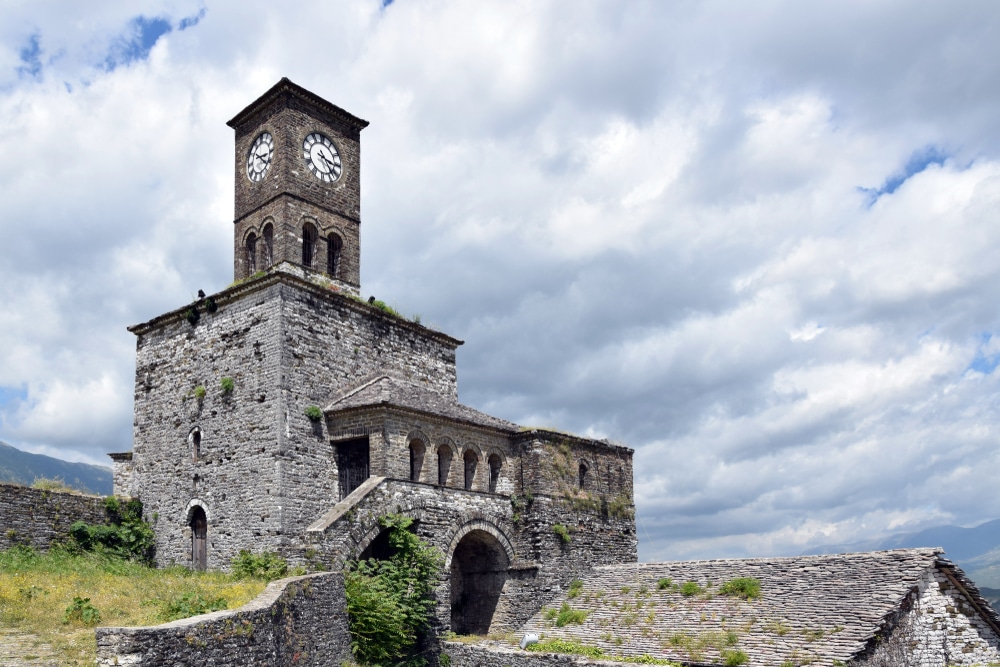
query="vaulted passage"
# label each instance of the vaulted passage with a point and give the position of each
(478, 573)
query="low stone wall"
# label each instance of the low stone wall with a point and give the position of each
(38, 518)
(297, 621)
(477, 655)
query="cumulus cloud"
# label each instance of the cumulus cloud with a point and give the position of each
(754, 242)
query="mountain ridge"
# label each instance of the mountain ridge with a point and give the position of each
(20, 467)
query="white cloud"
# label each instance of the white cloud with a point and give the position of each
(649, 221)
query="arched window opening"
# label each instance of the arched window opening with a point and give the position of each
(416, 459)
(444, 464)
(194, 439)
(251, 254)
(199, 539)
(470, 460)
(495, 463)
(268, 251)
(333, 248)
(479, 569)
(309, 236)
(583, 474)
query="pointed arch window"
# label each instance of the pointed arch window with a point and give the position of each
(309, 238)
(334, 245)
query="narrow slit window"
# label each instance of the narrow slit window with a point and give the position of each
(495, 463)
(251, 251)
(268, 253)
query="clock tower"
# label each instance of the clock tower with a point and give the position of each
(298, 186)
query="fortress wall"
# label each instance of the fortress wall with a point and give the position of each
(474, 655)
(297, 621)
(38, 518)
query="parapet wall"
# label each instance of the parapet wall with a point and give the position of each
(38, 518)
(473, 655)
(297, 621)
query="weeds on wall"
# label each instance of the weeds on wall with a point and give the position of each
(563, 533)
(200, 392)
(746, 588)
(314, 413)
(267, 566)
(227, 385)
(389, 602)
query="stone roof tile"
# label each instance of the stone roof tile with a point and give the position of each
(388, 390)
(811, 606)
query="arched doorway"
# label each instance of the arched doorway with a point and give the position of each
(199, 539)
(478, 573)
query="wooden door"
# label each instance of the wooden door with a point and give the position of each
(199, 539)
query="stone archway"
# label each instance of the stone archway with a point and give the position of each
(479, 567)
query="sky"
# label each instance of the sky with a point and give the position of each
(756, 241)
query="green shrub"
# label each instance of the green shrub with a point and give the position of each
(689, 588)
(734, 658)
(190, 604)
(389, 602)
(314, 413)
(563, 533)
(126, 535)
(227, 385)
(200, 391)
(747, 588)
(268, 565)
(665, 584)
(568, 646)
(82, 611)
(575, 587)
(567, 615)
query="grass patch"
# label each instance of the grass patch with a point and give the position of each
(746, 588)
(565, 615)
(60, 596)
(58, 485)
(697, 646)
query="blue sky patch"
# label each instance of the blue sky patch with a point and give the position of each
(31, 58)
(386, 3)
(984, 363)
(12, 395)
(191, 21)
(138, 40)
(917, 163)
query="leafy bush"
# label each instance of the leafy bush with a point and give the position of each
(190, 604)
(389, 602)
(689, 588)
(314, 413)
(665, 584)
(227, 385)
(127, 535)
(563, 533)
(267, 566)
(734, 658)
(82, 611)
(747, 588)
(575, 587)
(565, 615)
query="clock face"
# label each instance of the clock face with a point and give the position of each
(259, 158)
(322, 157)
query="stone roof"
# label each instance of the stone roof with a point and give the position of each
(826, 608)
(386, 390)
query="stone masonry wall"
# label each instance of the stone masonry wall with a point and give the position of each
(263, 470)
(298, 621)
(475, 655)
(38, 518)
(541, 563)
(942, 628)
